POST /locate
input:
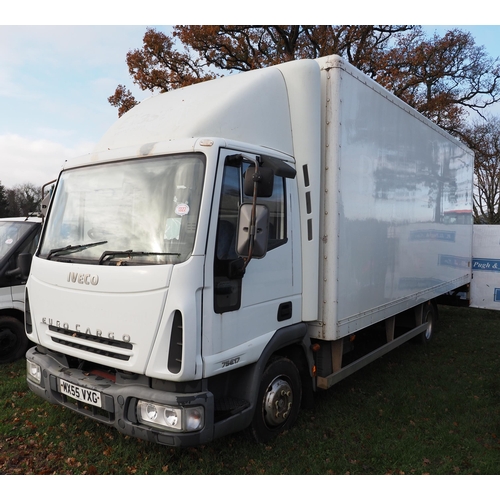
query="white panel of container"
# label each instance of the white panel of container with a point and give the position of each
(485, 283)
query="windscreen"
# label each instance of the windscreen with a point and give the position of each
(10, 233)
(136, 212)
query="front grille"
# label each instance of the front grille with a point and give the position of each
(87, 410)
(95, 345)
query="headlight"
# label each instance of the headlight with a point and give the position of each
(187, 419)
(34, 372)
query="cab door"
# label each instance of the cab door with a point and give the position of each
(15, 282)
(241, 314)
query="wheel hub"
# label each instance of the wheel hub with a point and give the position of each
(278, 402)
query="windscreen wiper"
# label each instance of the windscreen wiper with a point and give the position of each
(110, 254)
(72, 249)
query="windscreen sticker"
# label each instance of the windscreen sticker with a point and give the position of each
(172, 229)
(9, 241)
(182, 209)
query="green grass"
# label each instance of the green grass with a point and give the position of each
(419, 410)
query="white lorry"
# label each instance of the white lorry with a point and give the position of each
(211, 263)
(18, 235)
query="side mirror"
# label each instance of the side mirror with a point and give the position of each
(265, 182)
(24, 264)
(252, 245)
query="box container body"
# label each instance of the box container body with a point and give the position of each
(389, 177)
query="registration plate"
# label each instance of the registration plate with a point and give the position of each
(80, 393)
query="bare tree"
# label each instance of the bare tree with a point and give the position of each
(23, 199)
(4, 204)
(444, 78)
(484, 139)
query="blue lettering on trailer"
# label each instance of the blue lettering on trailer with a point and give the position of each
(432, 234)
(490, 265)
(453, 261)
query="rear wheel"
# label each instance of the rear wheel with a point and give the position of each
(430, 316)
(279, 399)
(13, 340)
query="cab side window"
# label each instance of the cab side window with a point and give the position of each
(277, 220)
(228, 291)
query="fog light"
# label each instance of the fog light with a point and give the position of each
(33, 371)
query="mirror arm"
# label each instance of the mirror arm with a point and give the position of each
(256, 180)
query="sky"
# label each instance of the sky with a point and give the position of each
(57, 72)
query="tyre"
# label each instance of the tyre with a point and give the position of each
(429, 315)
(13, 340)
(279, 399)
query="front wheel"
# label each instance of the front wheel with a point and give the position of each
(13, 340)
(279, 399)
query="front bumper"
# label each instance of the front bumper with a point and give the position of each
(119, 400)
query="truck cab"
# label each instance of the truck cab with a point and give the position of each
(163, 238)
